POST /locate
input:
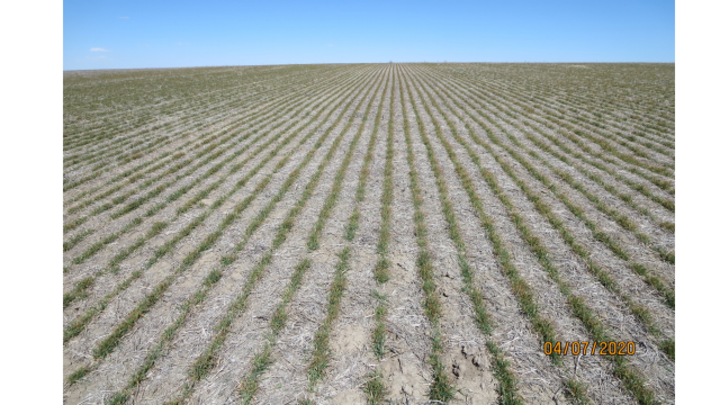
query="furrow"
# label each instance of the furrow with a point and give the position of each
(225, 102)
(441, 388)
(168, 246)
(261, 110)
(589, 121)
(662, 251)
(600, 235)
(578, 305)
(660, 381)
(77, 326)
(287, 245)
(518, 278)
(663, 184)
(250, 126)
(257, 271)
(179, 193)
(130, 150)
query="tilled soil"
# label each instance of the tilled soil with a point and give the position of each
(178, 281)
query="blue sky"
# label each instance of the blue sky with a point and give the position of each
(135, 34)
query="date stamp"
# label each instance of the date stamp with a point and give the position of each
(588, 348)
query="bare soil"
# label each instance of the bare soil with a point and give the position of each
(134, 335)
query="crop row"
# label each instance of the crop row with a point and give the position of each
(135, 204)
(202, 139)
(205, 363)
(110, 343)
(168, 246)
(579, 308)
(144, 146)
(550, 226)
(156, 109)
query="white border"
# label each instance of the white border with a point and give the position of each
(31, 176)
(697, 180)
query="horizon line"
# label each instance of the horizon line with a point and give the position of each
(358, 63)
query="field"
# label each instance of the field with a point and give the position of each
(351, 234)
